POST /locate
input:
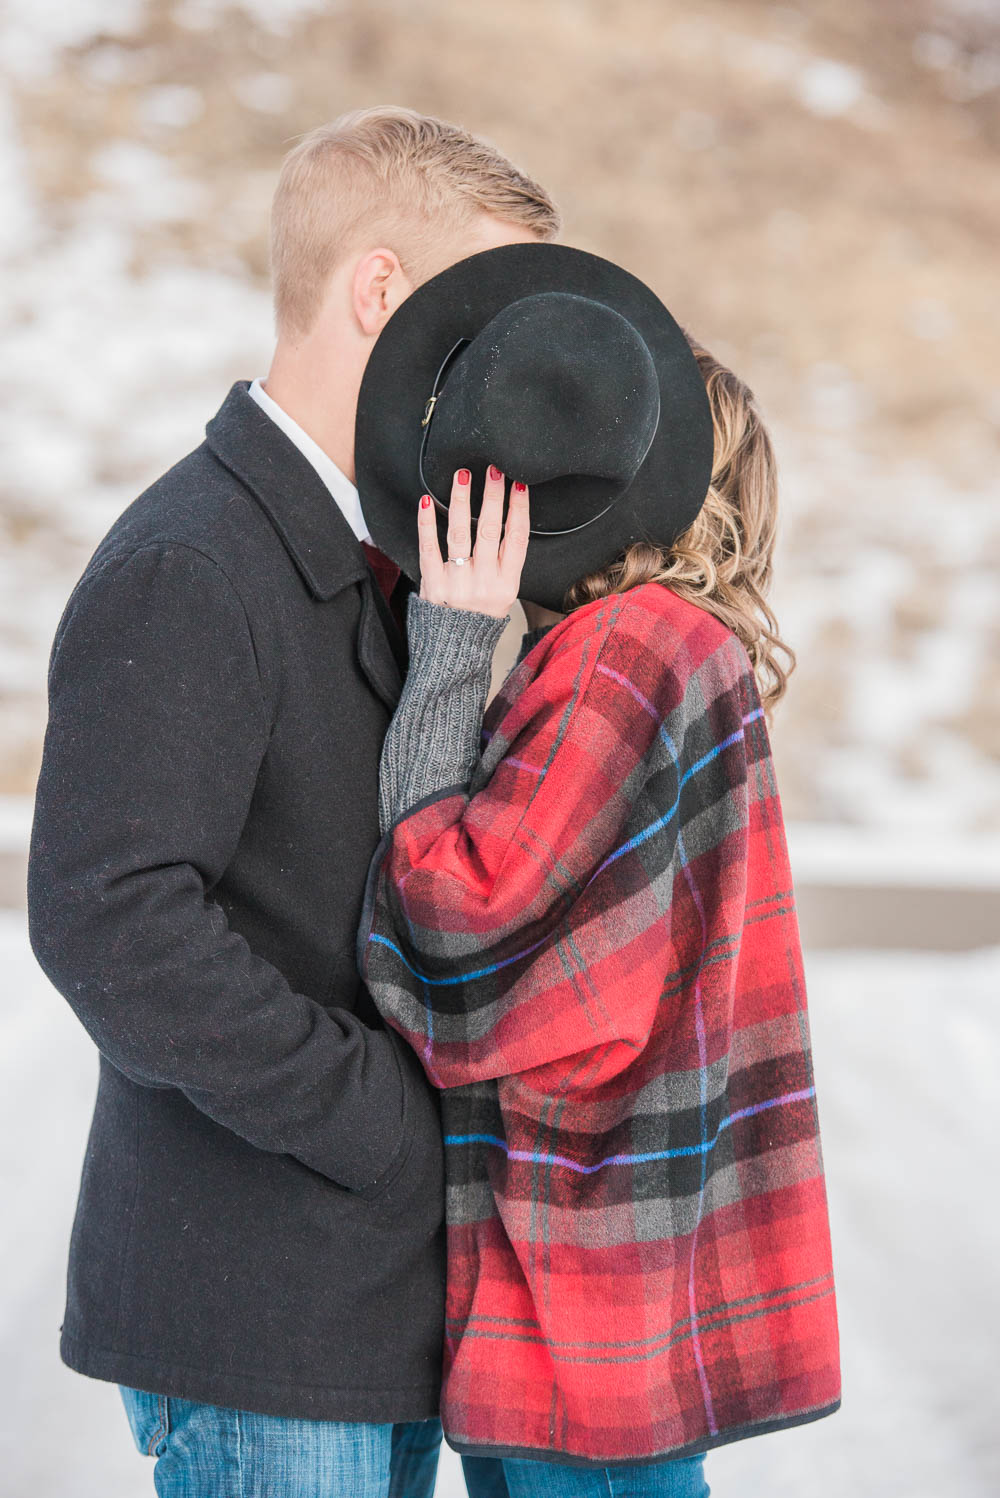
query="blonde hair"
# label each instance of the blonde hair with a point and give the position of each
(723, 561)
(387, 175)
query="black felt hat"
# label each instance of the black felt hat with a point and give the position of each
(566, 371)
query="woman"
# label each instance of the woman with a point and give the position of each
(581, 917)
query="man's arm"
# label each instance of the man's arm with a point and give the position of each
(157, 729)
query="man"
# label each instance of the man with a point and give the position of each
(257, 1255)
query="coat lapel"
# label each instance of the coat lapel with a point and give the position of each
(381, 648)
(312, 527)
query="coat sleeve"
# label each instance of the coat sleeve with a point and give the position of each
(157, 729)
(497, 935)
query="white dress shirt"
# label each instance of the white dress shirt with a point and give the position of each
(344, 492)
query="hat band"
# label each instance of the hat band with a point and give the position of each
(428, 415)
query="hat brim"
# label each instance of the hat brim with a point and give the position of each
(666, 493)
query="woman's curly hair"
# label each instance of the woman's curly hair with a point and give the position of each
(723, 561)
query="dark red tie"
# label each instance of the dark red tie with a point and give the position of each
(386, 575)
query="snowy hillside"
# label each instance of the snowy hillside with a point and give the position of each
(808, 189)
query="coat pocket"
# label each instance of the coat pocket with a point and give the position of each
(414, 1184)
(148, 1418)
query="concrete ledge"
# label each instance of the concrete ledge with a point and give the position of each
(853, 887)
(15, 831)
(942, 919)
(13, 867)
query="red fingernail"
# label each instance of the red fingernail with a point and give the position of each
(495, 472)
(425, 500)
(464, 475)
(520, 487)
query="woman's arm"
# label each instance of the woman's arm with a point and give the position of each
(452, 627)
(503, 929)
(433, 739)
(467, 939)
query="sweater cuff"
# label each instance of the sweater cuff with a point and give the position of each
(449, 645)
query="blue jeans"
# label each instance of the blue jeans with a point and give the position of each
(493, 1477)
(209, 1451)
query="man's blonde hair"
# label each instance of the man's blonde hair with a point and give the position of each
(387, 175)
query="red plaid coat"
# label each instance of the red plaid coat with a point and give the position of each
(593, 947)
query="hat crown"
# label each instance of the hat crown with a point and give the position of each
(555, 384)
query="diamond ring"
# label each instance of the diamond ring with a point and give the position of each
(459, 561)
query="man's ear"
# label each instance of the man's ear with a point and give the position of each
(378, 287)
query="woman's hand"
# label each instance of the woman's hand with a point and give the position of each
(488, 581)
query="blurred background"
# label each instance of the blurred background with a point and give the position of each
(813, 190)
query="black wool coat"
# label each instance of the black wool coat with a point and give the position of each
(259, 1221)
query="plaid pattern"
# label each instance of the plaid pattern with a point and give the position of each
(593, 947)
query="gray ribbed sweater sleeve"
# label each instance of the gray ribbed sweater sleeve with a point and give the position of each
(433, 739)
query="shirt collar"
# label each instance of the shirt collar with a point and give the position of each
(340, 486)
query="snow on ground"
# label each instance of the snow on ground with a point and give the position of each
(905, 1053)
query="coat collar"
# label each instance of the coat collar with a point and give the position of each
(290, 491)
(312, 526)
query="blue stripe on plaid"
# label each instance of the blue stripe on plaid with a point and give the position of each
(539, 1157)
(482, 972)
(633, 842)
(654, 827)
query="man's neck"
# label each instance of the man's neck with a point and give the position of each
(324, 405)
